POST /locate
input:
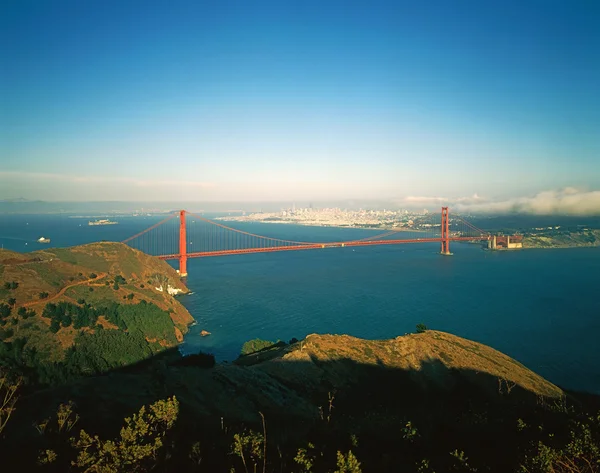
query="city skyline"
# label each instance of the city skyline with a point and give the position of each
(485, 106)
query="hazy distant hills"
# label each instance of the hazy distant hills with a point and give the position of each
(25, 206)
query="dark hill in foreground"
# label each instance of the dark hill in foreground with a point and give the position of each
(422, 402)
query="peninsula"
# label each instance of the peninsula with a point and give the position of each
(89, 308)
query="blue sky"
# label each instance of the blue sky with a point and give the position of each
(276, 100)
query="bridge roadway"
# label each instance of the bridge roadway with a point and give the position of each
(315, 246)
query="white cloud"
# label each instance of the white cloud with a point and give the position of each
(567, 201)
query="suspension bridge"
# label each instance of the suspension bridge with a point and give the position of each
(182, 235)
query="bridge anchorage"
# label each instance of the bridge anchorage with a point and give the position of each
(194, 236)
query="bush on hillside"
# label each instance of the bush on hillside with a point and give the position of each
(201, 360)
(252, 346)
(4, 311)
(421, 328)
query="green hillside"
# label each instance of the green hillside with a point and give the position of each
(85, 309)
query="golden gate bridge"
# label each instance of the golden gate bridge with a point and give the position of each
(175, 237)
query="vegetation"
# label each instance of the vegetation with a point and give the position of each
(358, 428)
(421, 328)
(256, 345)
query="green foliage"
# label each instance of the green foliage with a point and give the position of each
(120, 279)
(65, 313)
(409, 432)
(248, 446)
(106, 349)
(93, 276)
(8, 397)
(149, 319)
(12, 301)
(43, 295)
(130, 296)
(11, 285)
(347, 463)
(5, 311)
(141, 439)
(24, 313)
(421, 328)
(201, 360)
(255, 345)
(6, 333)
(579, 453)
(306, 457)
(116, 286)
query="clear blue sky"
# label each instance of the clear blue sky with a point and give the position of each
(282, 100)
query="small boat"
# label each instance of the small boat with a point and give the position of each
(43, 240)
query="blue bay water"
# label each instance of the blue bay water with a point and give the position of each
(538, 306)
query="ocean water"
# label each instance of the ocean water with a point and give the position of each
(538, 306)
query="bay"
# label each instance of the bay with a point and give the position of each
(538, 306)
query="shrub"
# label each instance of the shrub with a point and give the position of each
(6, 333)
(201, 360)
(55, 326)
(93, 276)
(12, 301)
(43, 295)
(81, 301)
(4, 311)
(255, 345)
(421, 328)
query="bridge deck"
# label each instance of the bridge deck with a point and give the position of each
(200, 254)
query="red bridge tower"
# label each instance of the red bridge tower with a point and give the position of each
(445, 232)
(182, 245)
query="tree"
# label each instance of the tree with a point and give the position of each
(347, 463)
(8, 398)
(14, 285)
(4, 311)
(12, 301)
(421, 328)
(93, 276)
(255, 345)
(43, 295)
(138, 446)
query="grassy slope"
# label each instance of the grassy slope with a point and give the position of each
(573, 239)
(65, 274)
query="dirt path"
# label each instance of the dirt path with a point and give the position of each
(63, 290)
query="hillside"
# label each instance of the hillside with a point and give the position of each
(563, 239)
(60, 297)
(394, 403)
